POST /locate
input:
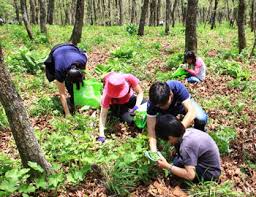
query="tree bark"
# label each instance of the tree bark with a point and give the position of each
(22, 131)
(78, 27)
(184, 11)
(133, 12)
(240, 24)
(158, 12)
(37, 11)
(25, 18)
(252, 15)
(17, 11)
(173, 12)
(191, 21)
(120, 12)
(213, 17)
(167, 17)
(152, 17)
(94, 12)
(254, 29)
(42, 5)
(51, 6)
(144, 10)
(32, 11)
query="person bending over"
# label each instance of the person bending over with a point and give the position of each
(198, 157)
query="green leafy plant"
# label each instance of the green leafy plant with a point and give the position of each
(222, 137)
(103, 68)
(213, 189)
(175, 60)
(123, 52)
(131, 29)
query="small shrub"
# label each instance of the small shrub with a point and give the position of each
(132, 29)
(223, 137)
(123, 52)
(175, 60)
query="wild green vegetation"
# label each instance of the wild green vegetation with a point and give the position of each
(69, 143)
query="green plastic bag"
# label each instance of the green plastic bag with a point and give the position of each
(179, 73)
(140, 118)
(89, 94)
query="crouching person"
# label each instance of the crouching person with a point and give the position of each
(198, 156)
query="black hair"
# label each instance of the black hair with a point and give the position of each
(159, 93)
(190, 55)
(75, 75)
(168, 125)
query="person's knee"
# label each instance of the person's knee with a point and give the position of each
(126, 117)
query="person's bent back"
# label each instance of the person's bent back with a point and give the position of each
(198, 156)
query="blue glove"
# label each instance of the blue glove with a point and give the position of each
(131, 111)
(101, 139)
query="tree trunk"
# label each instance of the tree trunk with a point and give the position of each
(94, 11)
(17, 11)
(32, 11)
(22, 131)
(25, 18)
(254, 28)
(167, 17)
(43, 28)
(152, 13)
(252, 16)
(144, 10)
(51, 6)
(67, 13)
(78, 27)
(240, 24)
(37, 11)
(158, 12)
(213, 17)
(191, 20)
(109, 13)
(184, 12)
(120, 12)
(133, 12)
(173, 12)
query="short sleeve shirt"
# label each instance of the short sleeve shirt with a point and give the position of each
(63, 57)
(107, 101)
(180, 94)
(203, 152)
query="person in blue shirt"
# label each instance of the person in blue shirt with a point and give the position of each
(65, 64)
(172, 97)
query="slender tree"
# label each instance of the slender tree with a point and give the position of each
(191, 21)
(17, 11)
(22, 131)
(173, 12)
(51, 7)
(144, 10)
(167, 16)
(254, 29)
(213, 17)
(120, 12)
(25, 18)
(78, 27)
(133, 12)
(152, 17)
(158, 12)
(32, 11)
(42, 5)
(241, 24)
(252, 15)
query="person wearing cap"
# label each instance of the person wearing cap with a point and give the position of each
(118, 97)
(65, 64)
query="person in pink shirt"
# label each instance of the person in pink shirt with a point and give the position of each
(195, 66)
(119, 97)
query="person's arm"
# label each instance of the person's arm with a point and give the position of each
(102, 122)
(139, 92)
(190, 115)
(63, 97)
(151, 122)
(195, 71)
(187, 173)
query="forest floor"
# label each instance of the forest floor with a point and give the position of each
(228, 100)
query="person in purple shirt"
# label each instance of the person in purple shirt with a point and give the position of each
(65, 64)
(196, 160)
(172, 97)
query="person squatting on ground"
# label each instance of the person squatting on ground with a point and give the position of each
(198, 157)
(172, 97)
(195, 66)
(65, 64)
(118, 97)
